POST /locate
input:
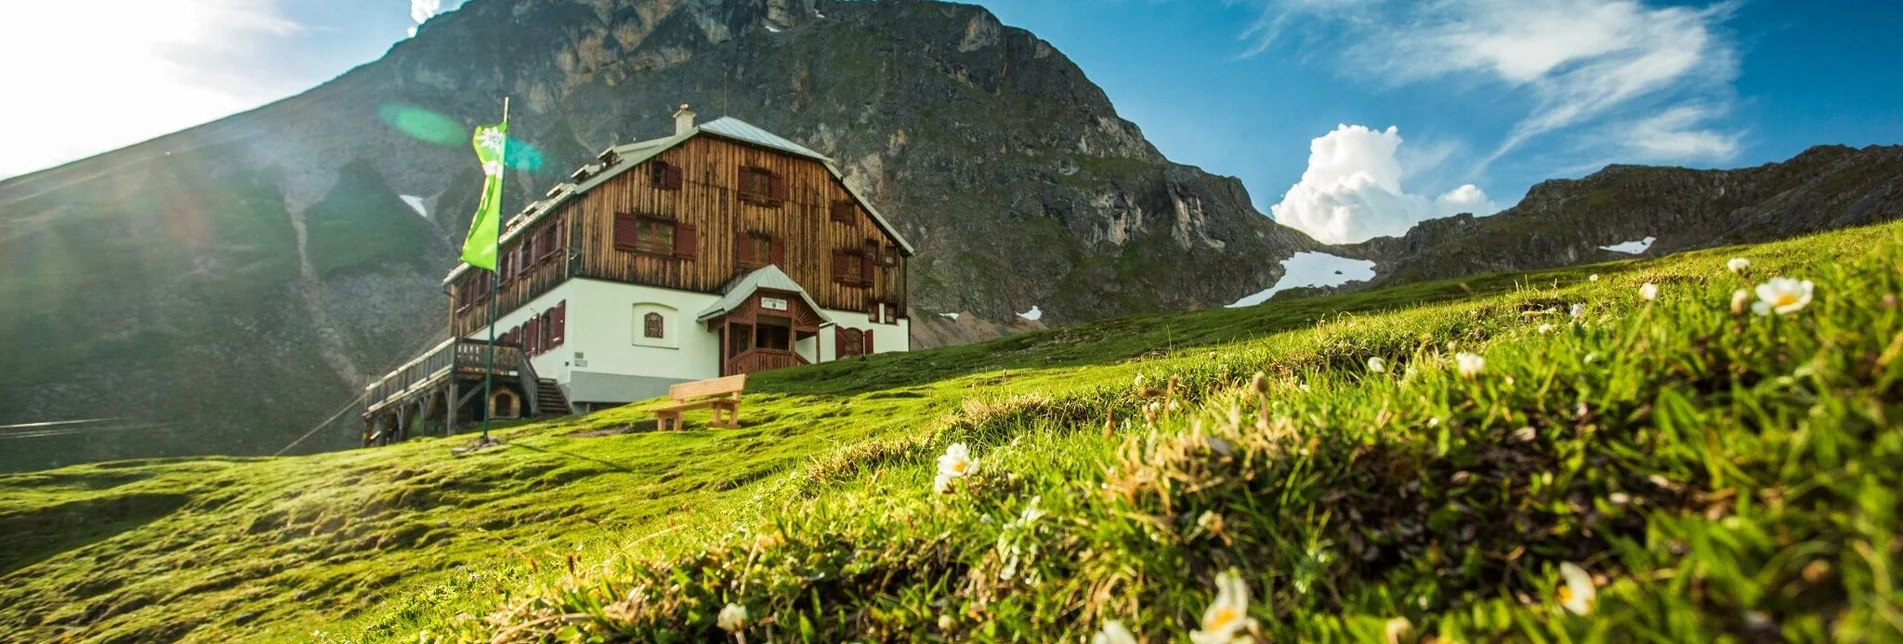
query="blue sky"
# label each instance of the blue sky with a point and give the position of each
(1485, 97)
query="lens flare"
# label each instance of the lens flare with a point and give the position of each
(423, 125)
(522, 155)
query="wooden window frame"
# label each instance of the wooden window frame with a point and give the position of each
(748, 246)
(665, 176)
(746, 188)
(637, 221)
(842, 211)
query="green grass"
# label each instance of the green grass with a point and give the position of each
(1726, 477)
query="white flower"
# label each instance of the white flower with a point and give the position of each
(1782, 295)
(1577, 311)
(1226, 616)
(1470, 364)
(1113, 633)
(1398, 631)
(1649, 291)
(944, 622)
(1377, 365)
(1738, 264)
(1579, 594)
(942, 484)
(732, 618)
(1303, 387)
(956, 462)
(1546, 328)
(493, 139)
(1593, 277)
(1031, 512)
(1138, 382)
(1740, 300)
(492, 168)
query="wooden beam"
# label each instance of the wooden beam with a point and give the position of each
(449, 415)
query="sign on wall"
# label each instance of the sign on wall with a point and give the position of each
(772, 304)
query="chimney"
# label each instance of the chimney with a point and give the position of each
(683, 120)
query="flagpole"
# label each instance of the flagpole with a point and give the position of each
(495, 281)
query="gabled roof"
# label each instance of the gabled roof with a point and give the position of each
(770, 277)
(734, 128)
(630, 155)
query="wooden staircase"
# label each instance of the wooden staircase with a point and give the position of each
(549, 400)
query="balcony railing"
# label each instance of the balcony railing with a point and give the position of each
(758, 360)
(467, 356)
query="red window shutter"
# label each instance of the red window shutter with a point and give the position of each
(528, 250)
(865, 270)
(840, 350)
(743, 249)
(671, 177)
(561, 324)
(625, 225)
(842, 211)
(776, 187)
(686, 241)
(865, 345)
(842, 262)
(529, 342)
(779, 253)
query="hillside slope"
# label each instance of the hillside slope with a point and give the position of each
(240, 280)
(1719, 475)
(1570, 221)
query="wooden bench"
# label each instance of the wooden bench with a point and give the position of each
(720, 394)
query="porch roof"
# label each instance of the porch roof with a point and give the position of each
(769, 277)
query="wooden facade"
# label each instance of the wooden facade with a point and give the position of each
(694, 218)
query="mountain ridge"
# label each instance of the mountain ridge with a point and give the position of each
(930, 107)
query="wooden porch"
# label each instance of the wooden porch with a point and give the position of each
(439, 390)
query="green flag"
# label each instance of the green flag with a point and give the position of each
(480, 248)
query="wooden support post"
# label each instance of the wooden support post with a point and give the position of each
(449, 416)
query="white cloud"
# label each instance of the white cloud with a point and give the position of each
(422, 10)
(94, 76)
(1352, 190)
(1676, 134)
(1582, 61)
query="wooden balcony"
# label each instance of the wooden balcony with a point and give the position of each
(467, 357)
(758, 360)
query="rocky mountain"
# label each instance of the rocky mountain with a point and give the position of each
(225, 288)
(1569, 221)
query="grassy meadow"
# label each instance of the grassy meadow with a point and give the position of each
(1704, 475)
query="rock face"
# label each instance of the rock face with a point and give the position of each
(1563, 222)
(238, 281)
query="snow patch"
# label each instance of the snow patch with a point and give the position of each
(774, 29)
(951, 316)
(1033, 315)
(1313, 269)
(1631, 247)
(416, 203)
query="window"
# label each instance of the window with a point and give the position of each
(883, 313)
(653, 326)
(548, 245)
(754, 250)
(761, 186)
(889, 256)
(654, 236)
(842, 211)
(846, 342)
(664, 175)
(852, 267)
